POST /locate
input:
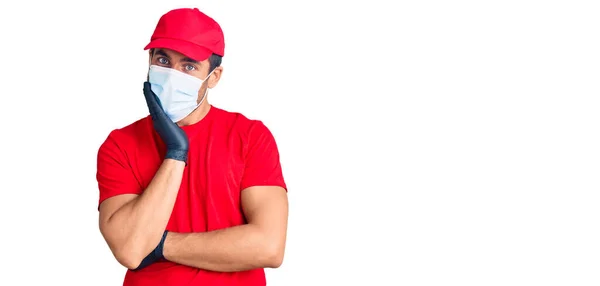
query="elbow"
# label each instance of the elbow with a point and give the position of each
(128, 252)
(274, 253)
(121, 250)
(274, 261)
(128, 258)
(129, 261)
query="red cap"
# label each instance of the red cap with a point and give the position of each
(189, 32)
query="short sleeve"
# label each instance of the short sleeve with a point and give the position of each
(262, 162)
(114, 173)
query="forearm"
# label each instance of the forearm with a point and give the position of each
(137, 227)
(236, 248)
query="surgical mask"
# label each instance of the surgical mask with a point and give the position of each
(177, 91)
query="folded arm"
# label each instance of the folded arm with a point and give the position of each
(133, 225)
(258, 244)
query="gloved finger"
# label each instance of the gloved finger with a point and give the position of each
(152, 101)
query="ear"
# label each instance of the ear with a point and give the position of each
(150, 54)
(214, 78)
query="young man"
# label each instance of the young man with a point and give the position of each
(192, 194)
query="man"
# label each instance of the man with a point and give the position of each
(192, 194)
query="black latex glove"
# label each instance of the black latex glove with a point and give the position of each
(172, 135)
(155, 255)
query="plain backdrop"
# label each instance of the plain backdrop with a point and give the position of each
(423, 142)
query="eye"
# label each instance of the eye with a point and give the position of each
(163, 61)
(189, 67)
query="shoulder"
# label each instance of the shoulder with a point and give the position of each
(241, 123)
(127, 135)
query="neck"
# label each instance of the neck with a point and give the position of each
(196, 115)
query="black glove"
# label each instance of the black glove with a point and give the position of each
(155, 255)
(171, 134)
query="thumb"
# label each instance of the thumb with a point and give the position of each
(152, 100)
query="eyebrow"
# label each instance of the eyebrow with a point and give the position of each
(162, 53)
(186, 59)
(189, 60)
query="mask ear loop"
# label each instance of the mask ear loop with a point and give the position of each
(149, 65)
(205, 92)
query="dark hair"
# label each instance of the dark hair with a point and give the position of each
(214, 60)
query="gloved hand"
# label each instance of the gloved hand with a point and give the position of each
(155, 255)
(172, 135)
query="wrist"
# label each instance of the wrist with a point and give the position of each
(168, 246)
(159, 250)
(156, 254)
(179, 155)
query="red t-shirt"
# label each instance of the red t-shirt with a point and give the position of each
(228, 153)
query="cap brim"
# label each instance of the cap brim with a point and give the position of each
(188, 49)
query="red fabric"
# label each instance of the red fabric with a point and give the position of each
(189, 32)
(228, 152)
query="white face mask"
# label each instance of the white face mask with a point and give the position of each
(177, 91)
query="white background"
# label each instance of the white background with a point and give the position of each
(426, 143)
